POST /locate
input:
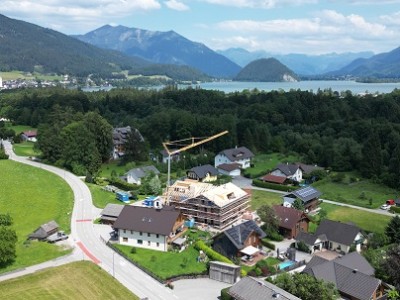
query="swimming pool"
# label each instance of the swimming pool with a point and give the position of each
(286, 264)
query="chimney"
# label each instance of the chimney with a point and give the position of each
(355, 271)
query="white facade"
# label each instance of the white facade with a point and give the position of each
(133, 180)
(235, 172)
(297, 176)
(222, 159)
(143, 240)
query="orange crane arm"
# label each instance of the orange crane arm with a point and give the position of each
(193, 144)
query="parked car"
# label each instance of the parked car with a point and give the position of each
(390, 202)
(385, 206)
(58, 236)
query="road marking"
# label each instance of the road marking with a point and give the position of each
(88, 254)
(84, 220)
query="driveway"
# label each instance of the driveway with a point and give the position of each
(285, 244)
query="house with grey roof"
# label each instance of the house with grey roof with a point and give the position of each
(249, 288)
(229, 169)
(205, 173)
(44, 230)
(239, 155)
(110, 213)
(289, 171)
(333, 235)
(232, 242)
(135, 175)
(150, 228)
(351, 274)
(308, 195)
(120, 136)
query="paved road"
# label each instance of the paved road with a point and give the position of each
(88, 240)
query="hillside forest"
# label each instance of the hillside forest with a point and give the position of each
(340, 131)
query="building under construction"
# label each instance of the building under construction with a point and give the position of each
(217, 206)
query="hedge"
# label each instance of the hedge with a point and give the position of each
(123, 185)
(395, 209)
(212, 255)
(268, 244)
(274, 186)
(225, 295)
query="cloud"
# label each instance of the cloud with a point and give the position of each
(175, 5)
(326, 31)
(75, 14)
(265, 4)
(393, 19)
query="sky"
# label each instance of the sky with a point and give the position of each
(275, 26)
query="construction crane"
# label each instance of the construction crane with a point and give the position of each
(194, 142)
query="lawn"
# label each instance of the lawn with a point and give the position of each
(114, 165)
(33, 197)
(266, 162)
(259, 198)
(101, 197)
(365, 220)
(360, 192)
(78, 280)
(25, 149)
(166, 264)
(19, 128)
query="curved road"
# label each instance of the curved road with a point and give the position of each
(88, 239)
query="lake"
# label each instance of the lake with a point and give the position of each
(354, 87)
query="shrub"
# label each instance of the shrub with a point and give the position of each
(212, 255)
(133, 250)
(395, 209)
(243, 273)
(225, 295)
(301, 246)
(268, 244)
(274, 186)
(275, 236)
(258, 271)
(123, 185)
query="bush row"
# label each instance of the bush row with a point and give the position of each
(212, 255)
(268, 244)
(274, 186)
(123, 185)
(395, 209)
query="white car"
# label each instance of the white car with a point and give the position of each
(385, 206)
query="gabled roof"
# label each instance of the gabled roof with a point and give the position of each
(305, 194)
(229, 167)
(338, 232)
(274, 178)
(288, 217)
(150, 220)
(347, 273)
(310, 238)
(287, 169)
(142, 171)
(44, 230)
(112, 210)
(236, 154)
(30, 133)
(307, 169)
(202, 171)
(249, 288)
(238, 234)
(224, 194)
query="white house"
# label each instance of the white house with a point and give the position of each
(149, 228)
(289, 171)
(240, 155)
(333, 235)
(134, 176)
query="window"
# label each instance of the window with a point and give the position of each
(148, 243)
(131, 231)
(140, 233)
(124, 231)
(125, 240)
(157, 235)
(148, 234)
(140, 242)
(158, 244)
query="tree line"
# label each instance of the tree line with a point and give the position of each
(340, 131)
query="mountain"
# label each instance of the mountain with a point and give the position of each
(28, 47)
(161, 47)
(300, 63)
(383, 65)
(266, 70)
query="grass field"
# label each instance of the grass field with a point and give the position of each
(166, 264)
(22, 75)
(25, 149)
(358, 193)
(33, 197)
(19, 128)
(114, 165)
(79, 280)
(266, 162)
(365, 220)
(100, 197)
(259, 198)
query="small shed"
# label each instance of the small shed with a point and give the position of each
(44, 231)
(121, 196)
(110, 213)
(224, 272)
